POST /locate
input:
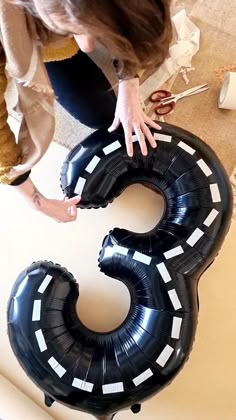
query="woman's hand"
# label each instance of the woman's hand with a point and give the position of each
(62, 211)
(130, 114)
(59, 210)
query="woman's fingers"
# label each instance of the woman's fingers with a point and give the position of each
(152, 123)
(71, 208)
(141, 139)
(115, 124)
(142, 132)
(128, 139)
(73, 211)
(74, 200)
(149, 135)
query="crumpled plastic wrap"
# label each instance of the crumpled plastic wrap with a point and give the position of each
(180, 55)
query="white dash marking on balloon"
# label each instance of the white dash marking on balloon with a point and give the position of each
(41, 340)
(83, 385)
(113, 388)
(165, 355)
(55, 365)
(92, 164)
(186, 147)
(211, 218)
(36, 310)
(111, 147)
(120, 250)
(80, 185)
(204, 167)
(162, 137)
(173, 252)
(174, 299)
(215, 193)
(194, 238)
(145, 259)
(164, 272)
(176, 327)
(134, 138)
(44, 284)
(142, 377)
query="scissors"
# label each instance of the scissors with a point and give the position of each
(166, 101)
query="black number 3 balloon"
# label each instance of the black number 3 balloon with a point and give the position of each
(104, 373)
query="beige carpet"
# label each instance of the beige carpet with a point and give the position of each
(200, 114)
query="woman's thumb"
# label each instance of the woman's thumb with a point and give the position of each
(74, 200)
(115, 125)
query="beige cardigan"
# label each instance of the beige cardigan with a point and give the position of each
(21, 57)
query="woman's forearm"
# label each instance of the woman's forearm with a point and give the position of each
(59, 210)
(31, 194)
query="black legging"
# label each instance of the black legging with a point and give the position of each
(83, 90)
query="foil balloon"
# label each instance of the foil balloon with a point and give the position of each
(104, 373)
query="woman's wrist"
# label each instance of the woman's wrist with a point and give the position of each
(38, 201)
(125, 79)
(32, 195)
(130, 86)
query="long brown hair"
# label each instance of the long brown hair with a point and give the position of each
(136, 32)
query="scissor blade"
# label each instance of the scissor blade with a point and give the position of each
(189, 92)
(196, 89)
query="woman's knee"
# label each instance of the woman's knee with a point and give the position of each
(94, 112)
(96, 121)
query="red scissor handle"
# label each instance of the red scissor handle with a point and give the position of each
(162, 109)
(158, 95)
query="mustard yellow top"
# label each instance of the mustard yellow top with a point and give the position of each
(58, 54)
(10, 153)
